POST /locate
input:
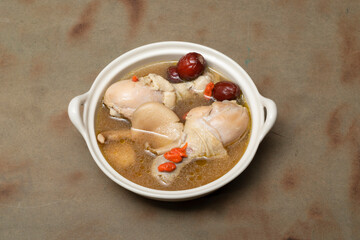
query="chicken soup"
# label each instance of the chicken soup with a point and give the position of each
(173, 125)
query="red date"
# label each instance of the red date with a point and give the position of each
(226, 91)
(191, 66)
(173, 75)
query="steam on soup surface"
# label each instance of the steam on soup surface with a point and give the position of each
(213, 135)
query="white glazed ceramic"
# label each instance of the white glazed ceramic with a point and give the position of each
(82, 110)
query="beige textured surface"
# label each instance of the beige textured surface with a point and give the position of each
(304, 182)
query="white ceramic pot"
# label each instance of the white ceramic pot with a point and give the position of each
(82, 110)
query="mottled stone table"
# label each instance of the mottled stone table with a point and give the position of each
(304, 182)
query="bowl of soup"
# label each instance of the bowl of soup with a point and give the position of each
(172, 121)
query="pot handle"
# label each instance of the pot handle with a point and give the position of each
(271, 113)
(74, 111)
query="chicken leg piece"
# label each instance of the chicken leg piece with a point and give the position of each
(208, 130)
(154, 125)
(125, 96)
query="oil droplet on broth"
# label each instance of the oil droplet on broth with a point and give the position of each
(201, 162)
